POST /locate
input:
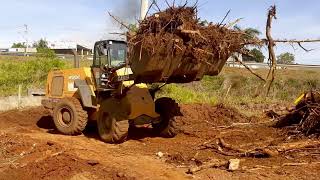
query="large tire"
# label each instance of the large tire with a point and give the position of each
(168, 109)
(111, 130)
(69, 116)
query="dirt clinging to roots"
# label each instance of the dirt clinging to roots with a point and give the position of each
(174, 45)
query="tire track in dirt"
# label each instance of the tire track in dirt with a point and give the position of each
(137, 157)
(26, 124)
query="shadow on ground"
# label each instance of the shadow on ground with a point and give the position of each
(91, 131)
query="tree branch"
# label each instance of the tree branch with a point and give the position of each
(155, 3)
(121, 23)
(292, 41)
(151, 5)
(233, 23)
(168, 4)
(224, 17)
(307, 50)
(248, 68)
(296, 41)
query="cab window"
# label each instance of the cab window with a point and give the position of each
(110, 53)
(118, 54)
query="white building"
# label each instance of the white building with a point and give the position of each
(62, 47)
(22, 50)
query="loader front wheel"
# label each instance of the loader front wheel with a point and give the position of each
(69, 117)
(111, 130)
(168, 109)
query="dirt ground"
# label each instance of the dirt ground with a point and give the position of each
(30, 148)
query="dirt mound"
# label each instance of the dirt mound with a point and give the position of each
(198, 125)
(64, 166)
(218, 115)
(23, 118)
(25, 158)
(174, 45)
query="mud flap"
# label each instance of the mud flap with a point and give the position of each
(85, 93)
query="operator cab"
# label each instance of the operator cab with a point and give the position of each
(109, 56)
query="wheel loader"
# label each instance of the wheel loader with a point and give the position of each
(107, 93)
(113, 91)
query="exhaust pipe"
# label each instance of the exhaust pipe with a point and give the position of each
(76, 62)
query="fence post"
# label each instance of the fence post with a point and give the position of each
(19, 96)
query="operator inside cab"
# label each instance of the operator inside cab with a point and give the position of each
(109, 64)
(110, 54)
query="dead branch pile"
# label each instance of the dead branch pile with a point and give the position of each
(174, 45)
(306, 115)
(266, 151)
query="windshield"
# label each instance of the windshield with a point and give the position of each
(118, 53)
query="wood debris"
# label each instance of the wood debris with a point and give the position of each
(174, 45)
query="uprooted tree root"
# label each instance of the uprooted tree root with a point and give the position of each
(176, 43)
(221, 147)
(266, 149)
(305, 116)
(209, 42)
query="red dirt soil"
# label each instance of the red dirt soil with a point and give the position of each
(30, 148)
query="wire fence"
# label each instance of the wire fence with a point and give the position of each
(279, 66)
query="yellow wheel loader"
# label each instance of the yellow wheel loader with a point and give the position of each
(106, 93)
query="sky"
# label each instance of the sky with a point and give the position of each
(87, 21)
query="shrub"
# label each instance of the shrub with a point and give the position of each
(28, 73)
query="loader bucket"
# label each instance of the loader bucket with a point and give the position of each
(164, 67)
(175, 46)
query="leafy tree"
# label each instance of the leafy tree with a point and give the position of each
(133, 28)
(41, 44)
(18, 45)
(204, 23)
(46, 53)
(257, 56)
(252, 32)
(43, 49)
(286, 58)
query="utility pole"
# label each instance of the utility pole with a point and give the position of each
(144, 9)
(26, 36)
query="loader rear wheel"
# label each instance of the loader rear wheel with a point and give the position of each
(111, 130)
(69, 117)
(168, 109)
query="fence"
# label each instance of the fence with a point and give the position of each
(279, 66)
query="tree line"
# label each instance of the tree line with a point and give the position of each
(41, 44)
(42, 47)
(256, 55)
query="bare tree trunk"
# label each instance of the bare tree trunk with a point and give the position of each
(272, 56)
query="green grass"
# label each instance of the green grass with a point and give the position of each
(233, 86)
(237, 87)
(186, 95)
(31, 72)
